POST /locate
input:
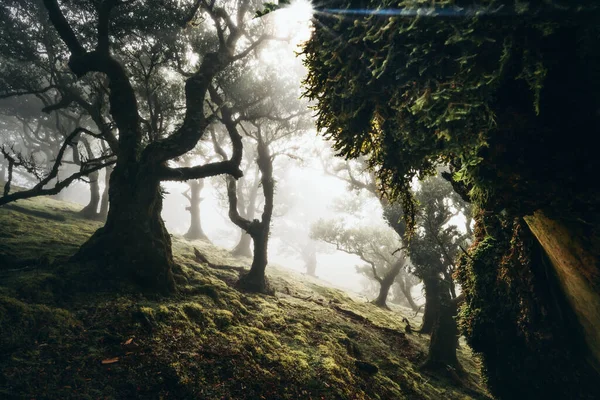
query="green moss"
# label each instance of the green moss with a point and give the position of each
(209, 341)
(22, 325)
(524, 338)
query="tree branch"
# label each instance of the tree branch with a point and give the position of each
(201, 171)
(38, 190)
(104, 24)
(63, 28)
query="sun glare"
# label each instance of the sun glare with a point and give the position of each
(294, 20)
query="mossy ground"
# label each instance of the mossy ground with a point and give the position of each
(207, 342)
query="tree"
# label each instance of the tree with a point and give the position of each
(193, 195)
(295, 241)
(134, 242)
(434, 249)
(50, 104)
(264, 106)
(265, 131)
(435, 245)
(359, 177)
(379, 248)
(492, 94)
(401, 291)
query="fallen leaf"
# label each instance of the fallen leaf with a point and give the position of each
(128, 341)
(110, 360)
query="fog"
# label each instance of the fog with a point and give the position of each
(311, 183)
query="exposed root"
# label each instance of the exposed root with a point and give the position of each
(202, 259)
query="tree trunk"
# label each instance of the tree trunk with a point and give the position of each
(195, 231)
(255, 280)
(405, 289)
(134, 244)
(104, 202)
(432, 303)
(444, 338)
(90, 211)
(384, 290)
(387, 282)
(242, 249)
(310, 262)
(450, 281)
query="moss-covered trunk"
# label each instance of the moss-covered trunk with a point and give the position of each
(517, 316)
(134, 244)
(432, 303)
(444, 337)
(255, 280)
(195, 231)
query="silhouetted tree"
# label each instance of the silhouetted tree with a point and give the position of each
(134, 242)
(379, 248)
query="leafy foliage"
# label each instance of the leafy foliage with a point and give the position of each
(413, 87)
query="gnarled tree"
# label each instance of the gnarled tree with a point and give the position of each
(134, 243)
(379, 248)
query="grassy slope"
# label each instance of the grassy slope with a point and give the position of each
(208, 342)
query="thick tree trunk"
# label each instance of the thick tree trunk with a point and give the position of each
(104, 202)
(90, 211)
(444, 338)
(195, 231)
(242, 249)
(255, 280)
(384, 290)
(134, 244)
(432, 303)
(386, 283)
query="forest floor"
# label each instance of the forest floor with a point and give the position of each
(309, 341)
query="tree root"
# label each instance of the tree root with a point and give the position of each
(202, 259)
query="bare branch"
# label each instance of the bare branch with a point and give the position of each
(26, 92)
(103, 25)
(63, 28)
(201, 171)
(38, 190)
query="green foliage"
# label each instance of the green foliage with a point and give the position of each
(435, 244)
(416, 91)
(269, 7)
(508, 96)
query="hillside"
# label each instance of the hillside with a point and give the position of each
(63, 337)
